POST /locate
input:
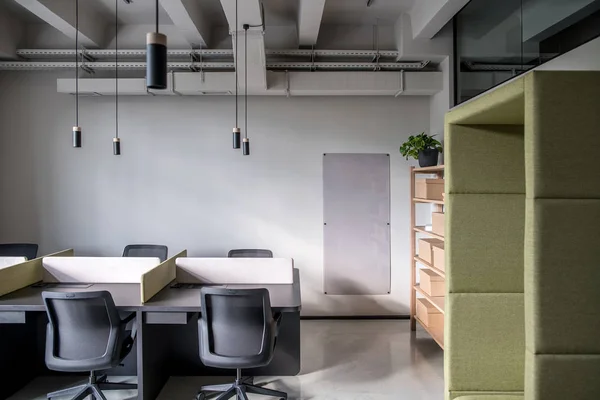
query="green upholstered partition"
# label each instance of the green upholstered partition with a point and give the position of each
(523, 241)
(485, 172)
(562, 252)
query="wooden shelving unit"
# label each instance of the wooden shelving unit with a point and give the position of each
(415, 261)
(439, 339)
(421, 229)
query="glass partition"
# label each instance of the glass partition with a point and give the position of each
(497, 40)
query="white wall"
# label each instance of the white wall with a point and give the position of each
(179, 182)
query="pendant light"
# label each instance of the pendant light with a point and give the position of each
(116, 140)
(156, 58)
(77, 128)
(246, 141)
(236, 130)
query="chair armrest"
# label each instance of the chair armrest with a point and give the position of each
(128, 319)
(277, 317)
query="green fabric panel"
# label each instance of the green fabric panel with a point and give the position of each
(485, 342)
(563, 276)
(563, 118)
(491, 397)
(559, 377)
(500, 106)
(486, 395)
(484, 243)
(485, 159)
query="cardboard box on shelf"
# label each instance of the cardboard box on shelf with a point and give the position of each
(428, 314)
(430, 189)
(426, 249)
(439, 260)
(438, 221)
(431, 283)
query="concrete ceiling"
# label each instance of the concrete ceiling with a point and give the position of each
(138, 12)
(356, 12)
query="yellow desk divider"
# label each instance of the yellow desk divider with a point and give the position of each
(24, 274)
(157, 278)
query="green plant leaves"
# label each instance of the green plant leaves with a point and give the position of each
(415, 144)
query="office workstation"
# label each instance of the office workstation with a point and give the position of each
(163, 304)
(299, 199)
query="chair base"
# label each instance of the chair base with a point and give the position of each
(239, 388)
(94, 387)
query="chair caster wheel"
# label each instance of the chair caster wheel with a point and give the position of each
(200, 396)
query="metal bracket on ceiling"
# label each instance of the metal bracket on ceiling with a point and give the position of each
(313, 57)
(175, 92)
(402, 84)
(83, 65)
(287, 84)
(85, 55)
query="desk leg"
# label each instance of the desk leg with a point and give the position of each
(153, 359)
(19, 361)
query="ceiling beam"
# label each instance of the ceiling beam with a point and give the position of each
(60, 14)
(188, 18)
(249, 12)
(310, 14)
(411, 49)
(429, 17)
(10, 34)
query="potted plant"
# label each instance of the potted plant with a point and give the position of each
(422, 147)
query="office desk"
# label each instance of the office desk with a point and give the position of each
(167, 338)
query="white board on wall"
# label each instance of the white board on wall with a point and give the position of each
(356, 230)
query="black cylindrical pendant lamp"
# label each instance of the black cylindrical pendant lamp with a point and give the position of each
(76, 136)
(246, 146)
(116, 146)
(156, 61)
(156, 58)
(236, 138)
(76, 128)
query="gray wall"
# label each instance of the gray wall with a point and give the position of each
(179, 182)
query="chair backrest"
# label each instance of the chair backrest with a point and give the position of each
(28, 250)
(84, 331)
(250, 253)
(236, 328)
(146, 250)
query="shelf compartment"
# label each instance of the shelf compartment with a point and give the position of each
(431, 267)
(439, 340)
(417, 200)
(438, 302)
(421, 229)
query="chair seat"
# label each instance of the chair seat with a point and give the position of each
(492, 397)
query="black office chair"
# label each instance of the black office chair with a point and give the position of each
(28, 250)
(147, 250)
(250, 253)
(86, 334)
(237, 330)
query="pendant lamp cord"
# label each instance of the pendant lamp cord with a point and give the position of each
(156, 16)
(246, 81)
(117, 69)
(236, 66)
(77, 62)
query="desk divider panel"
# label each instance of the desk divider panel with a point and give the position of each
(234, 271)
(157, 278)
(10, 261)
(97, 269)
(21, 275)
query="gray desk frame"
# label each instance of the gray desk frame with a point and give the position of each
(166, 326)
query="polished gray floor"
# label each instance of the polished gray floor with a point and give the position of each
(349, 360)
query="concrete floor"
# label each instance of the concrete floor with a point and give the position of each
(366, 360)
